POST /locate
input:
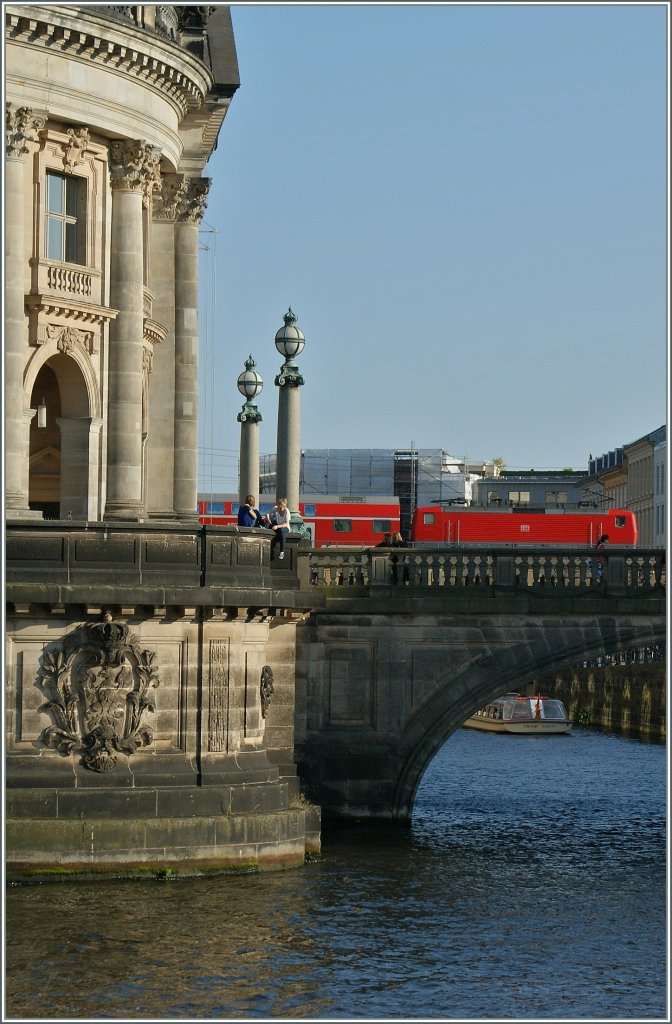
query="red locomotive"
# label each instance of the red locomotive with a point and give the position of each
(437, 525)
(332, 520)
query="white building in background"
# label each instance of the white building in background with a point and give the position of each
(659, 494)
(417, 476)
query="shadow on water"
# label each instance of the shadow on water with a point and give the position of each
(530, 883)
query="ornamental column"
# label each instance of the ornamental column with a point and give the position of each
(189, 215)
(161, 389)
(249, 384)
(21, 127)
(289, 342)
(134, 172)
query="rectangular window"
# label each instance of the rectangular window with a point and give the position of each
(556, 497)
(428, 518)
(382, 525)
(342, 525)
(619, 520)
(309, 510)
(519, 497)
(65, 218)
(214, 508)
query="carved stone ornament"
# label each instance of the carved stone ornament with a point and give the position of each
(167, 198)
(134, 165)
(267, 689)
(147, 359)
(74, 150)
(194, 16)
(98, 685)
(192, 204)
(67, 338)
(21, 127)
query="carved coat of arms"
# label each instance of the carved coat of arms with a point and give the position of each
(98, 685)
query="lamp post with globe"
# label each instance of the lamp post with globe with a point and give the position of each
(249, 417)
(289, 342)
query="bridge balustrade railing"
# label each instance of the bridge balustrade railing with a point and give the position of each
(563, 568)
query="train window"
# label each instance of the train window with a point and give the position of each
(234, 508)
(619, 520)
(309, 510)
(342, 525)
(381, 525)
(214, 508)
(428, 518)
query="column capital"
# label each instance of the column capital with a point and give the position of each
(134, 166)
(168, 196)
(289, 377)
(21, 127)
(192, 203)
(249, 414)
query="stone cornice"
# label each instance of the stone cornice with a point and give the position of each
(70, 308)
(133, 52)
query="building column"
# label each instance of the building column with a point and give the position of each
(133, 175)
(289, 438)
(161, 389)
(21, 127)
(250, 385)
(189, 216)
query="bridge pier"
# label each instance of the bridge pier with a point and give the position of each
(150, 703)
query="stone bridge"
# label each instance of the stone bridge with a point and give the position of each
(385, 673)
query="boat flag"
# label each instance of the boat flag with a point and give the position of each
(537, 710)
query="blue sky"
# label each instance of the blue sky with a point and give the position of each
(465, 207)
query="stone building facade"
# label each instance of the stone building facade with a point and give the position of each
(111, 115)
(149, 661)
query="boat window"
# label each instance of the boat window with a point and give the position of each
(553, 709)
(521, 710)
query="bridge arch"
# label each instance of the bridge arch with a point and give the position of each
(456, 698)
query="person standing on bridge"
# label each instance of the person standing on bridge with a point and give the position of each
(397, 541)
(601, 541)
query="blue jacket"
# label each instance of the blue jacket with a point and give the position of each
(245, 517)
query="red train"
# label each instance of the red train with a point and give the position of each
(434, 524)
(332, 520)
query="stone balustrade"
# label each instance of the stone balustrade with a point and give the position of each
(576, 569)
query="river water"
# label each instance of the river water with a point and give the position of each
(531, 885)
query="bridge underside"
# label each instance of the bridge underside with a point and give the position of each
(383, 692)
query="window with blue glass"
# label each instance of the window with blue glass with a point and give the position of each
(65, 218)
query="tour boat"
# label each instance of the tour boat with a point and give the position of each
(522, 714)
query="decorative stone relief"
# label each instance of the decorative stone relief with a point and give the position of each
(218, 696)
(21, 127)
(267, 689)
(134, 165)
(191, 206)
(66, 338)
(98, 685)
(147, 359)
(75, 149)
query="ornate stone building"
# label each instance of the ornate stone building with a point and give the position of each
(111, 115)
(149, 661)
